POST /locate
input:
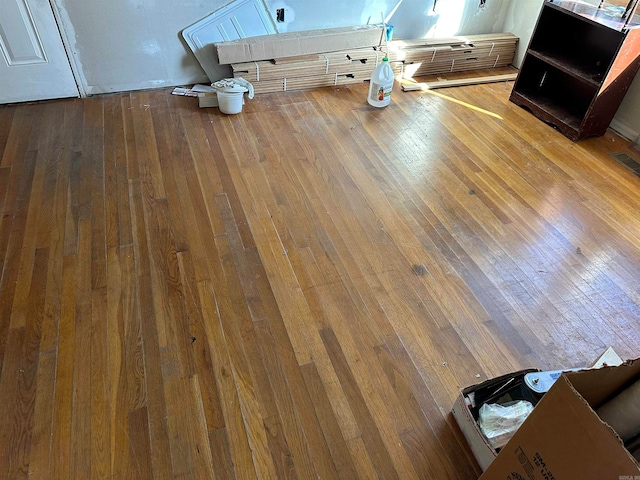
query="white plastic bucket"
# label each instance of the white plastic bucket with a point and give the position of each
(230, 102)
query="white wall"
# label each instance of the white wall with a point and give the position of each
(521, 18)
(627, 119)
(412, 19)
(132, 44)
(121, 45)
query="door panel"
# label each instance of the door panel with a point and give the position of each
(19, 40)
(34, 64)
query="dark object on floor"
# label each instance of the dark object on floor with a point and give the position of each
(627, 161)
(419, 270)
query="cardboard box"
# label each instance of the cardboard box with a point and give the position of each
(291, 44)
(479, 445)
(482, 450)
(564, 439)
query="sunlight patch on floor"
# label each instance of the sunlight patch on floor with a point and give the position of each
(460, 102)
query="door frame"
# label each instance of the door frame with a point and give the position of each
(64, 28)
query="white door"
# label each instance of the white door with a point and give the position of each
(33, 63)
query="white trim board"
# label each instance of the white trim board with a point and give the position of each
(624, 130)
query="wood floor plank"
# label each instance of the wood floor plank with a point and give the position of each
(420, 438)
(28, 386)
(55, 230)
(259, 399)
(199, 436)
(61, 450)
(179, 406)
(362, 459)
(40, 459)
(71, 215)
(81, 400)
(278, 396)
(16, 135)
(101, 453)
(221, 454)
(297, 291)
(311, 460)
(140, 445)
(10, 443)
(114, 157)
(12, 234)
(21, 393)
(226, 179)
(370, 434)
(146, 146)
(330, 428)
(289, 296)
(236, 428)
(210, 395)
(5, 174)
(27, 254)
(171, 145)
(203, 175)
(6, 120)
(119, 281)
(153, 381)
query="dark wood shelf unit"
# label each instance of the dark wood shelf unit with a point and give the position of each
(579, 70)
(578, 67)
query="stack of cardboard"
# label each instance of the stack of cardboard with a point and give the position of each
(297, 73)
(456, 54)
(408, 58)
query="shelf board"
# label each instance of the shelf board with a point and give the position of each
(569, 66)
(563, 116)
(593, 14)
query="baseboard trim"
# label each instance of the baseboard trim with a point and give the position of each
(624, 130)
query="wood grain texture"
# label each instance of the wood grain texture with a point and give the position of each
(298, 291)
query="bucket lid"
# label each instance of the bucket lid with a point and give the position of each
(229, 86)
(233, 85)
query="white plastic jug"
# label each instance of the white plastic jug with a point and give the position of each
(381, 85)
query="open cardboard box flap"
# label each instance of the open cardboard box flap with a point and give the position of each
(564, 439)
(595, 386)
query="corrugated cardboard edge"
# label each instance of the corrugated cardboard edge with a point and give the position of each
(480, 447)
(267, 47)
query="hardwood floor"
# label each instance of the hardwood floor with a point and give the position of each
(298, 291)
